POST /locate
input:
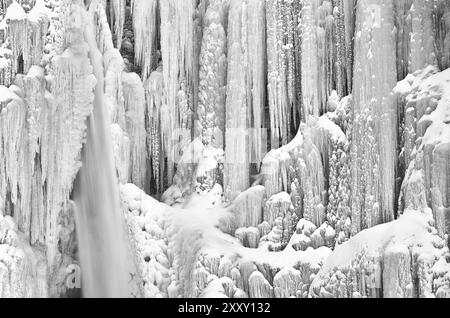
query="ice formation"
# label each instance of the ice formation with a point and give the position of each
(293, 148)
(375, 119)
(145, 24)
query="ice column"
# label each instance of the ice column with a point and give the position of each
(283, 56)
(178, 52)
(213, 76)
(373, 153)
(245, 93)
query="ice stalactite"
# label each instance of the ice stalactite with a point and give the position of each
(134, 97)
(26, 34)
(154, 93)
(178, 56)
(373, 153)
(39, 21)
(213, 76)
(118, 8)
(327, 29)
(245, 94)
(236, 140)
(283, 57)
(145, 25)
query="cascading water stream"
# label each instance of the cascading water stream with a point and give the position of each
(100, 226)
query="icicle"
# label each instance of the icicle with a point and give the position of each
(283, 68)
(319, 55)
(118, 13)
(145, 24)
(245, 93)
(236, 112)
(134, 96)
(154, 92)
(38, 28)
(17, 33)
(177, 48)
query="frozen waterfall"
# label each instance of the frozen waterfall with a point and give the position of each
(100, 224)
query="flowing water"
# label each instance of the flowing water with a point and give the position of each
(100, 224)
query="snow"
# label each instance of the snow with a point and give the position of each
(409, 235)
(15, 12)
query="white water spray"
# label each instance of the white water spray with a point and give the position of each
(100, 225)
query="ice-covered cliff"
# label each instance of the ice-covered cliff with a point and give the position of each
(299, 148)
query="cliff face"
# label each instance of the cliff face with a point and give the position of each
(296, 145)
